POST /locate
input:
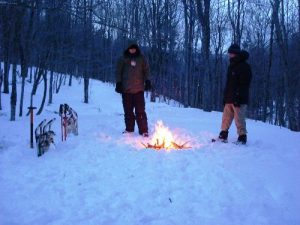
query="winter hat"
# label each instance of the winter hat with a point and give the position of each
(234, 48)
(132, 44)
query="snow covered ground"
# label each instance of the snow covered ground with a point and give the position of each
(103, 177)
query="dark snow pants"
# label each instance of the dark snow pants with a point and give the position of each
(134, 109)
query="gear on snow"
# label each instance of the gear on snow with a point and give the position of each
(44, 136)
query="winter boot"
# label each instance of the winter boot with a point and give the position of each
(145, 134)
(223, 135)
(242, 139)
(127, 132)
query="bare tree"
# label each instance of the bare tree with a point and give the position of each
(203, 12)
(298, 16)
(87, 30)
(7, 26)
(18, 14)
(218, 43)
(24, 46)
(236, 17)
(268, 103)
(50, 88)
(13, 97)
(1, 79)
(44, 93)
(185, 42)
(281, 38)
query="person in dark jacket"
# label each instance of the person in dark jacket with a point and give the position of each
(132, 79)
(236, 93)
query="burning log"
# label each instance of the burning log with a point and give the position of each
(177, 146)
(167, 141)
(174, 145)
(159, 147)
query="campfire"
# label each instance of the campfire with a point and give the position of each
(164, 139)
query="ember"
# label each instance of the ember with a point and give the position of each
(163, 139)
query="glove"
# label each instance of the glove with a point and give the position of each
(148, 85)
(236, 104)
(236, 100)
(119, 88)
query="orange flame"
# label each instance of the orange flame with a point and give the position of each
(164, 139)
(162, 135)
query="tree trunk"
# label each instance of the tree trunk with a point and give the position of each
(298, 17)
(24, 58)
(16, 47)
(188, 43)
(1, 79)
(59, 81)
(22, 97)
(6, 45)
(282, 43)
(267, 102)
(50, 88)
(203, 11)
(86, 44)
(45, 93)
(36, 82)
(86, 89)
(70, 80)
(30, 76)
(24, 73)
(13, 97)
(236, 19)
(6, 76)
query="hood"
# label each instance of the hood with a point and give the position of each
(132, 45)
(244, 55)
(241, 57)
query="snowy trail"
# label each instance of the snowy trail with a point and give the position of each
(103, 177)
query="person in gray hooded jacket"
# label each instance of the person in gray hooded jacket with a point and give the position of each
(132, 79)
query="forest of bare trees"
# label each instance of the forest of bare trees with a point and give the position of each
(185, 42)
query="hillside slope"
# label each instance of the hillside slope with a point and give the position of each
(104, 177)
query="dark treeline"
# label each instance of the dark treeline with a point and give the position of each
(185, 42)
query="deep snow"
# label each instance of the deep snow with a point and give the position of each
(104, 177)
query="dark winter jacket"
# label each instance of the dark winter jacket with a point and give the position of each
(238, 80)
(132, 72)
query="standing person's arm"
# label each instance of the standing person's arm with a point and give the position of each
(119, 71)
(246, 76)
(146, 69)
(119, 75)
(243, 83)
(146, 73)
